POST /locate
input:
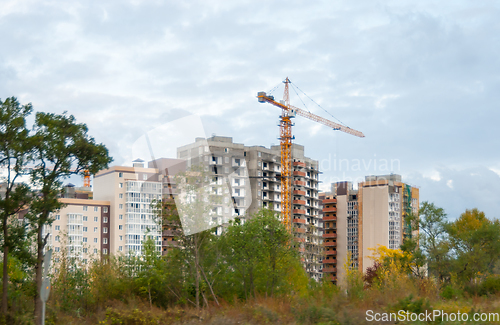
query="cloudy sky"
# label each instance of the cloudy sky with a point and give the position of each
(419, 78)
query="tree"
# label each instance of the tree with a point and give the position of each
(475, 245)
(195, 205)
(433, 239)
(62, 148)
(259, 257)
(15, 150)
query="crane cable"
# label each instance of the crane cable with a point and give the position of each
(293, 87)
(318, 104)
(273, 89)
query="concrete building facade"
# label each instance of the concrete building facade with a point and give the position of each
(81, 230)
(253, 175)
(374, 214)
(131, 192)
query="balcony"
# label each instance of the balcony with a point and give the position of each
(329, 235)
(299, 192)
(168, 233)
(299, 164)
(301, 202)
(329, 209)
(300, 230)
(170, 243)
(297, 173)
(329, 201)
(299, 211)
(330, 253)
(329, 270)
(299, 183)
(330, 277)
(329, 218)
(330, 244)
(302, 221)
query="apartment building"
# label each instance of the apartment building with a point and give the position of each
(374, 214)
(81, 230)
(225, 162)
(253, 177)
(131, 192)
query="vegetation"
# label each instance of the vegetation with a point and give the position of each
(251, 274)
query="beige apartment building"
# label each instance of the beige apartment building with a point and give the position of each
(80, 230)
(131, 192)
(360, 219)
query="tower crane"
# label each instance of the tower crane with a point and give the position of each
(287, 112)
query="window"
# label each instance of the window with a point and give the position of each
(85, 208)
(120, 185)
(95, 209)
(56, 259)
(85, 250)
(120, 227)
(120, 206)
(105, 209)
(105, 251)
(259, 163)
(56, 249)
(121, 237)
(84, 229)
(56, 238)
(95, 250)
(120, 196)
(95, 229)
(95, 240)
(58, 217)
(105, 219)
(104, 240)
(120, 174)
(120, 216)
(85, 218)
(226, 159)
(120, 248)
(105, 230)
(58, 227)
(145, 177)
(84, 239)
(96, 219)
(259, 154)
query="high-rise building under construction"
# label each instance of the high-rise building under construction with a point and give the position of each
(355, 220)
(254, 176)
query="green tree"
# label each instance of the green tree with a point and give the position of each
(475, 245)
(259, 257)
(198, 198)
(411, 249)
(150, 268)
(433, 239)
(15, 150)
(62, 148)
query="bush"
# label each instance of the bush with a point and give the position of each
(414, 306)
(490, 285)
(134, 317)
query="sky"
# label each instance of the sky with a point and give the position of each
(419, 78)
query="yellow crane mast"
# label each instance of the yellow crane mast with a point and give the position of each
(287, 112)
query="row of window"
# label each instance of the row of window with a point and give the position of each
(84, 218)
(96, 209)
(84, 239)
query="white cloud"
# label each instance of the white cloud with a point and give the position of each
(417, 77)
